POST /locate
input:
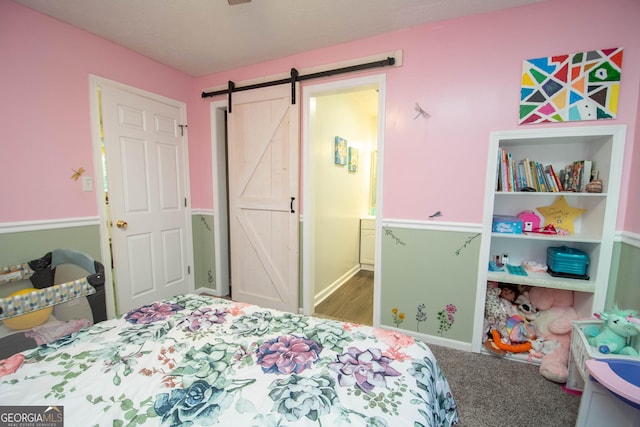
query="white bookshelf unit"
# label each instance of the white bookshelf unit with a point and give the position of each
(594, 230)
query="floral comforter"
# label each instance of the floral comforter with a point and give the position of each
(196, 360)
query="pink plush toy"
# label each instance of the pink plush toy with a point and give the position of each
(554, 324)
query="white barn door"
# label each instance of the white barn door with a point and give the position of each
(263, 168)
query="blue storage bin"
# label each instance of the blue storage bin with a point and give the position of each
(565, 260)
(506, 224)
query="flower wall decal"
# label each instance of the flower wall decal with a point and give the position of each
(446, 319)
(421, 316)
(398, 318)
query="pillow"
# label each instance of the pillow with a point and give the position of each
(29, 320)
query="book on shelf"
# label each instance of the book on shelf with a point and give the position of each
(556, 179)
(499, 171)
(585, 177)
(539, 177)
(534, 176)
(567, 177)
(550, 182)
(578, 167)
(526, 164)
(502, 163)
(512, 174)
(522, 175)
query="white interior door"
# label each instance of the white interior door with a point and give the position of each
(147, 186)
(263, 197)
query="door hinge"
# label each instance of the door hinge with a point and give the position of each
(185, 202)
(189, 270)
(182, 129)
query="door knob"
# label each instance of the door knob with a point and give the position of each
(122, 224)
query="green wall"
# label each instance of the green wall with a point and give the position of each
(430, 267)
(21, 247)
(434, 268)
(624, 288)
(16, 248)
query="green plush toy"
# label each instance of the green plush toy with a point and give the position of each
(615, 335)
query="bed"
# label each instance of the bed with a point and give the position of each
(199, 360)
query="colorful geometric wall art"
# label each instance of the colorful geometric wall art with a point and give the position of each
(571, 87)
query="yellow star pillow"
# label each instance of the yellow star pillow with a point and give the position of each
(560, 214)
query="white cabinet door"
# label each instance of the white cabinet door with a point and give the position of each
(367, 244)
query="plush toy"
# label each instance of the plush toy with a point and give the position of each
(493, 313)
(541, 347)
(519, 325)
(499, 306)
(616, 333)
(509, 293)
(525, 308)
(511, 348)
(545, 298)
(553, 323)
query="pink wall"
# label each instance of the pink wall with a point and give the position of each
(632, 219)
(465, 72)
(45, 114)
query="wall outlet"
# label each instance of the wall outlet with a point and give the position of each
(87, 183)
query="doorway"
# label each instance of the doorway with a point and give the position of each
(339, 199)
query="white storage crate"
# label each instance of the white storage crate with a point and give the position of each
(581, 351)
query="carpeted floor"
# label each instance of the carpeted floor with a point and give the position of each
(492, 392)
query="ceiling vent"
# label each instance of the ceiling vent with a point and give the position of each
(234, 2)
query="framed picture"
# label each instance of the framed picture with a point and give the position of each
(352, 159)
(571, 87)
(340, 151)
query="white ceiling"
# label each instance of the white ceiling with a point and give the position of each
(201, 37)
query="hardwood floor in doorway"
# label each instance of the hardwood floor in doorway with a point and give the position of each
(352, 302)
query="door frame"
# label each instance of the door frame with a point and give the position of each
(105, 250)
(220, 197)
(307, 224)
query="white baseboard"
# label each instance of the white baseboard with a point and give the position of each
(326, 292)
(206, 291)
(435, 340)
